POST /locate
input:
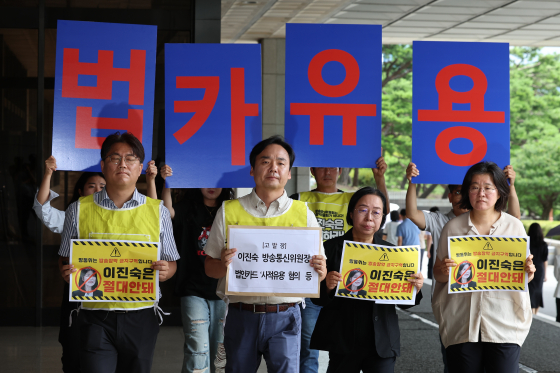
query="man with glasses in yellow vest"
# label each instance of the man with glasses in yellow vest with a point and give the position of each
(119, 336)
(329, 204)
(257, 326)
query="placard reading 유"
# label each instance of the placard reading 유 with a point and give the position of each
(273, 261)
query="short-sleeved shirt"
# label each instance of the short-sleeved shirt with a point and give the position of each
(435, 221)
(391, 232)
(497, 316)
(51, 217)
(409, 233)
(256, 207)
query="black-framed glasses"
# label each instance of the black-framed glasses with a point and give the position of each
(116, 159)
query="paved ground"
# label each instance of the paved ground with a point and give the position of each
(27, 349)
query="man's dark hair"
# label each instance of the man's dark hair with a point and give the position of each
(364, 192)
(452, 187)
(434, 209)
(278, 140)
(403, 212)
(497, 175)
(126, 138)
(394, 215)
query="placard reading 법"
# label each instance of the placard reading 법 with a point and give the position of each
(378, 273)
(488, 263)
(116, 271)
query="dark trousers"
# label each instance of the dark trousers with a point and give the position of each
(483, 356)
(117, 342)
(558, 309)
(365, 362)
(431, 263)
(69, 336)
(248, 336)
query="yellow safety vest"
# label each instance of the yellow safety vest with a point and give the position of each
(139, 223)
(330, 209)
(235, 214)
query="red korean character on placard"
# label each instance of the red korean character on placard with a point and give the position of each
(105, 75)
(318, 111)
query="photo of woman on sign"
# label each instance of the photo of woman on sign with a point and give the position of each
(464, 276)
(87, 283)
(354, 284)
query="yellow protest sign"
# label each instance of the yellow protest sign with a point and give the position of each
(116, 271)
(378, 273)
(488, 263)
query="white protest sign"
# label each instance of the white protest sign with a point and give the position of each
(273, 261)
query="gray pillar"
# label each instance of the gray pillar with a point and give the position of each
(207, 21)
(273, 80)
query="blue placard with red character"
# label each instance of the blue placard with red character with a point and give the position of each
(333, 94)
(104, 83)
(212, 113)
(460, 104)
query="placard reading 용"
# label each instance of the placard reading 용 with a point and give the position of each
(488, 263)
(378, 273)
(116, 271)
(273, 261)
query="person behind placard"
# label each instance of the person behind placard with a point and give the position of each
(539, 250)
(88, 183)
(258, 325)
(464, 277)
(120, 212)
(202, 311)
(557, 277)
(481, 330)
(430, 246)
(354, 284)
(359, 334)
(434, 221)
(329, 204)
(390, 230)
(88, 284)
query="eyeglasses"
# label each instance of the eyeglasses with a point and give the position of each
(487, 190)
(129, 159)
(365, 212)
(457, 192)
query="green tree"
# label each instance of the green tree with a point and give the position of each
(535, 127)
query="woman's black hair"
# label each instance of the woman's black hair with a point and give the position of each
(278, 140)
(364, 192)
(395, 215)
(463, 267)
(195, 195)
(536, 234)
(81, 184)
(500, 181)
(83, 274)
(352, 274)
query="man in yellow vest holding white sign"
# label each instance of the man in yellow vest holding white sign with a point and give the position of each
(257, 325)
(119, 336)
